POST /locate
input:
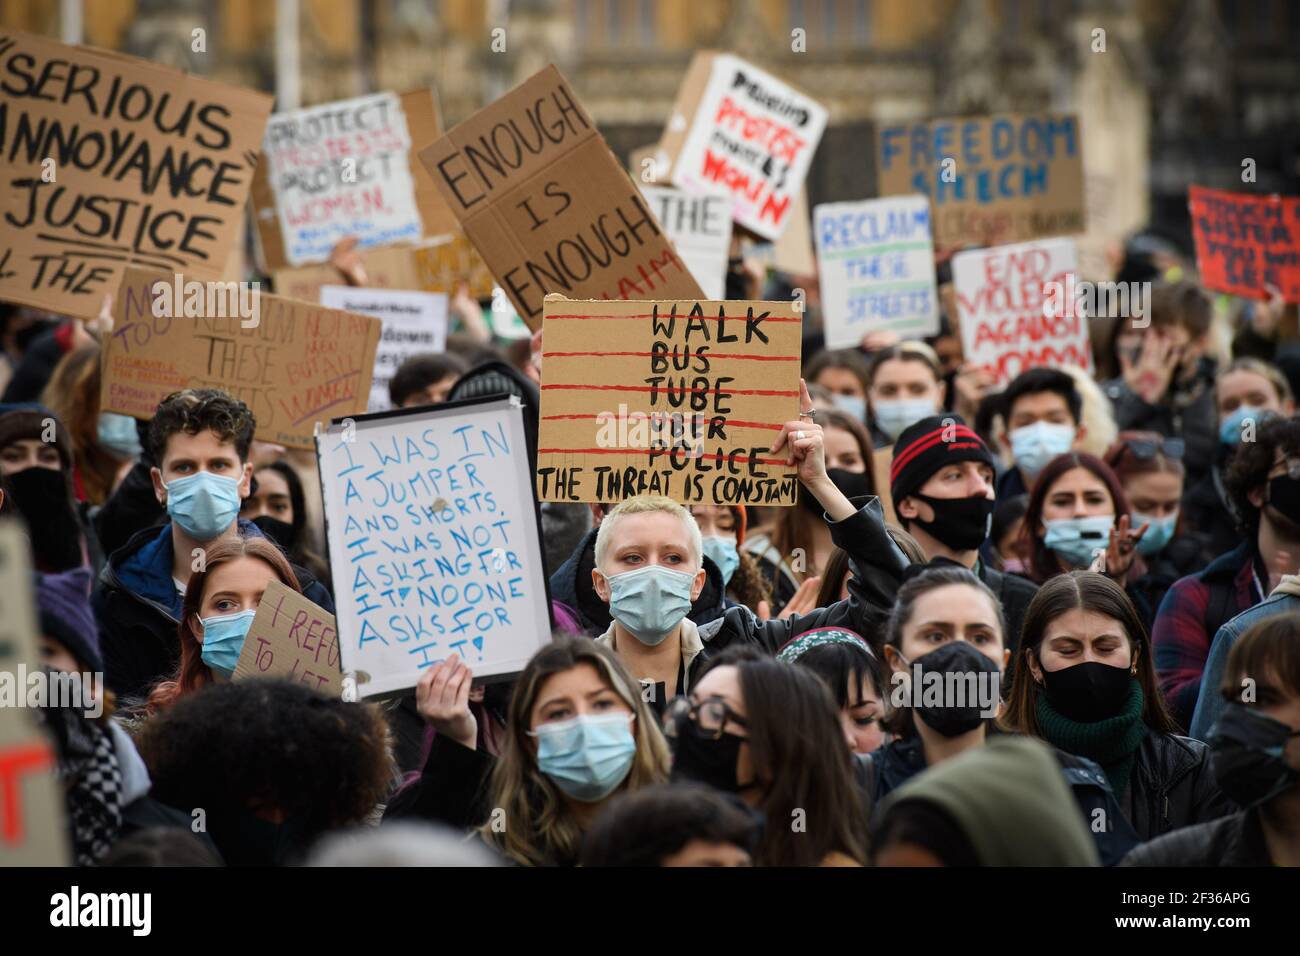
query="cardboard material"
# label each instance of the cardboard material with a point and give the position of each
(876, 261)
(699, 225)
(33, 819)
(1002, 297)
(292, 638)
(1012, 177)
(300, 364)
(680, 398)
(414, 322)
(881, 460)
(449, 260)
(541, 197)
(347, 169)
(107, 160)
(389, 267)
(738, 127)
(433, 542)
(1245, 242)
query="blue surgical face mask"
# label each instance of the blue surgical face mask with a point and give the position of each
(1158, 535)
(588, 756)
(1230, 430)
(1034, 446)
(203, 504)
(895, 417)
(855, 406)
(1075, 539)
(651, 601)
(722, 552)
(223, 639)
(118, 434)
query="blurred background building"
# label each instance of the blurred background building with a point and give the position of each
(1182, 92)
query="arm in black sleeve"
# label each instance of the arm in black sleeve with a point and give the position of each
(451, 789)
(132, 505)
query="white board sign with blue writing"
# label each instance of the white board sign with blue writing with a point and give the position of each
(876, 262)
(433, 542)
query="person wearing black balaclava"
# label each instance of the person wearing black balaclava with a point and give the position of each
(277, 505)
(1255, 756)
(36, 467)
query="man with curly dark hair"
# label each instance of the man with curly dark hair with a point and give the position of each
(1263, 488)
(272, 764)
(199, 441)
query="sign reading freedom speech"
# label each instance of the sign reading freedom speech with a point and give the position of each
(1244, 242)
(299, 364)
(676, 398)
(991, 180)
(1001, 294)
(106, 160)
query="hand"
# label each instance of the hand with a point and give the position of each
(971, 383)
(880, 339)
(345, 258)
(1120, 551)
(804, 600)
(442, 698)
(1265, 316)
(1149, 376)
(755, 277)
(535, 357)
(764, 611)
(804, 437)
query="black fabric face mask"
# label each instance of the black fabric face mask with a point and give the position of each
(705, 759)
(1284, 498)
(852, 484)
(245, 839)
(957, 658)
(41, 497)
(1247, 754)
(281, 532)
(1087, 692)
(960, 523)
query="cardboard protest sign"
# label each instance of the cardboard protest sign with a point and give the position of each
(33, 824)
(387, 267)
(1244, 242)
(699, 225)
(1003, 295)
(449, 260)
(738, 127)
(108, 160)
(990, 179)
(876, 261)
(433, 542)
(293, 363)
(679, 397)
(347, 169)
(539, 193)
(414, 322)
(292, 638)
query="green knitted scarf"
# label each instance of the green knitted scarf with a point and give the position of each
(1113, 742)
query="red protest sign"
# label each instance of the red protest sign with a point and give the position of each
(1245, 243)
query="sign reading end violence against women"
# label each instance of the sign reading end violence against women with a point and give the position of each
(545, 202)
(992, 179)
(292, 638)
(1003, 294)
(876, 262)
(107, 160)
(433, 542)
(293, 363)
(1245, 243)
(680, 398)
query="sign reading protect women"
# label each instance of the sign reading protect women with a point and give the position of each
(433, 542)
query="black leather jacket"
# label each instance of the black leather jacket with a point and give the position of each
(1235, 840)
(1172, 786)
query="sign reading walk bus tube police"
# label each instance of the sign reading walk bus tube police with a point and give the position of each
(991, 180)
(671, 397)
(433, 542)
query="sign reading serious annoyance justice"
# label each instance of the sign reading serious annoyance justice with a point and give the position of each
(676, 398)
(107, 160)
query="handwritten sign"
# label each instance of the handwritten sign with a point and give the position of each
(1244, 242)
(542, 198)
(414, 322)
(33, 829)
(1001, 294)
(295, 364)
(876, 260)
(433, 542)
(450, 260)
(990, 180)
(676, 398)
(107, 160)
(347, 169)
(738, 127)
(293, 638)
(699, 225)
(386, 267)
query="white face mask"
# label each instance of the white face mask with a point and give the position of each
(895, 416)
(1034, 446)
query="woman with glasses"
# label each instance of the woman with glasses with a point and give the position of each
(768, 733)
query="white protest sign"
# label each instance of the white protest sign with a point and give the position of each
(1001, 297)
(876, 262)
(342, 169)
(433, 542)
(699, 225)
